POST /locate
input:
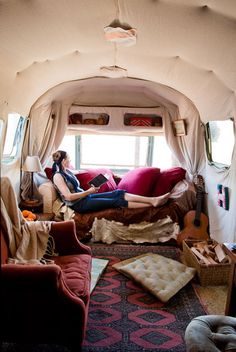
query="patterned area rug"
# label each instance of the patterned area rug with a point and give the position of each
(123, 317)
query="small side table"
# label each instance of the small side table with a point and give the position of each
(35, 206)
(230, 308)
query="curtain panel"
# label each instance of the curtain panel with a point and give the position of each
(46, 129)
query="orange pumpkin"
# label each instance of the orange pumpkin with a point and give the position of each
(28, 215)
(25, 213)
(32, 216)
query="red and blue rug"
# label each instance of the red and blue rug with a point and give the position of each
(124, 317)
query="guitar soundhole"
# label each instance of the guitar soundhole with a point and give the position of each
(197, 222)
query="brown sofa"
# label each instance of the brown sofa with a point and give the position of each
(84, 222)
(143, 181)
(47, 303)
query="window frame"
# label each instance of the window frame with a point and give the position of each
(17, 141)
(208, 144)
(1, 127)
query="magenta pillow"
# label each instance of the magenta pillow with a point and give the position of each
(167, 180)
(48, 172)
(140, 181)
(85, 176)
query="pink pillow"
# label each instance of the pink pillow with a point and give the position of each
(167, 180)
(139, 181)
(85, 176)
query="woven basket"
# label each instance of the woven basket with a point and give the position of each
(208, 275)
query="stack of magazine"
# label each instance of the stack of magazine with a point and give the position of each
(98, 267)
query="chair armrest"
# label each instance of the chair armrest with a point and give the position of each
(49, 195)
(66, 241)
(30, 277)
(37, 287)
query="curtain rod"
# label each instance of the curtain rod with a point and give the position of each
(117, 106)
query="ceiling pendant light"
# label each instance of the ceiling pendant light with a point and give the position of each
(113, 71)
(122, 34)
(118, 35)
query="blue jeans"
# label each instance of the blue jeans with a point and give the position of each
(101, 201)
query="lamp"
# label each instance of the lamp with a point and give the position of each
(32, 164)
(113, 71)
(124, 36)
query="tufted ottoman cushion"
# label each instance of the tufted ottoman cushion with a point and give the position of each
(162, 276)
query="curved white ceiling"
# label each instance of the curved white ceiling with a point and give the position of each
(189, 45)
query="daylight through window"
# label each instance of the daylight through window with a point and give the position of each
(15, 128)
(119, 153)
(220, 141)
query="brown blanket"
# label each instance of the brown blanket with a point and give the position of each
(175, 208)
(28, 241)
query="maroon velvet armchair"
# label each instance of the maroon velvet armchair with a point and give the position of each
(47, 303)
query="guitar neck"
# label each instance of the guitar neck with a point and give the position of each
(198, 208)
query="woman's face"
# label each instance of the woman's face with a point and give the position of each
(66, 162)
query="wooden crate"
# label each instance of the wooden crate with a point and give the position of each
(212, 274)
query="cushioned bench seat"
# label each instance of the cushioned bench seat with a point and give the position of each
(76, 274)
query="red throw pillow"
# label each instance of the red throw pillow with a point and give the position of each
(140, 121)
(48, 172)
(139, 181)
(87, 175)
(167, 180)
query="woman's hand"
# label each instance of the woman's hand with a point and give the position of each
(62, 186)
(93, 189)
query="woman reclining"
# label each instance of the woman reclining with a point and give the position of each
(81, 201)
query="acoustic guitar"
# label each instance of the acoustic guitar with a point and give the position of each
(195, 222)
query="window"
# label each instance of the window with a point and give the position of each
(1, 127)
(119, 153)
(220, 140)
(162, 156)
(15, 128)
(68, 144)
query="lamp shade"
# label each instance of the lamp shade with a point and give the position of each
(32, 164)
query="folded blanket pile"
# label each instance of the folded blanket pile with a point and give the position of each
(29, 242)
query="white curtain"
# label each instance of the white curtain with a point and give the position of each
(222, 222)
(46, 129)
(188, 149)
